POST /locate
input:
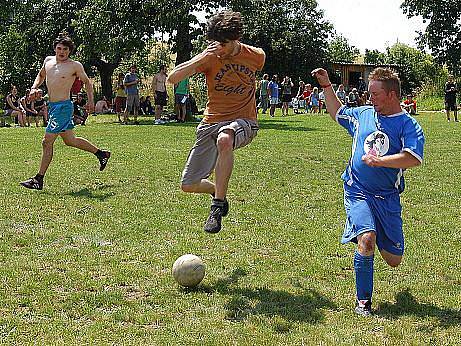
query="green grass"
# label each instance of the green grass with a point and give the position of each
(88, 259)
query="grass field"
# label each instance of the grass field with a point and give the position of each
(88, 259)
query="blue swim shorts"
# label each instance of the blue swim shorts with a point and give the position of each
(60, 116)
(373, 213)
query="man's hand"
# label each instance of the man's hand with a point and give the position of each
(213, 48)
(321, 75)
(371, 160)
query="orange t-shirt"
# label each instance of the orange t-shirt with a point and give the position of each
(231, 85)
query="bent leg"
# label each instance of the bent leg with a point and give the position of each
(77, 142)
(391, 259)
(204, 186)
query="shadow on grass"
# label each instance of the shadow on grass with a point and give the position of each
(406, 305)
(283, 125)
(93, 193)
(287, 307)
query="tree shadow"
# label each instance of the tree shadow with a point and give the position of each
(150, 122)
(287, 307)
(406, 305)
(282, 125)
(93, 193)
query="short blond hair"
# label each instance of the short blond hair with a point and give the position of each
(388, 77)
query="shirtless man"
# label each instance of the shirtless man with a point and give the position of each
(60, 72)
(161, 96)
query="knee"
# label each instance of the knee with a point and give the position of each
(366, 244)
(189, 188)
(47, 143)
(394, 261)
(225, 142)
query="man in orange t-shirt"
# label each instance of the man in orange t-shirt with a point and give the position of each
(230, 115)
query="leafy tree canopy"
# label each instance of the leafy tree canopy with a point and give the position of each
(443, 33)
(339, 50)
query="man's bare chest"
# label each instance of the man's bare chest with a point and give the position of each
(60, 71)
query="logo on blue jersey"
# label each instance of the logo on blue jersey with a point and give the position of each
(376, 144)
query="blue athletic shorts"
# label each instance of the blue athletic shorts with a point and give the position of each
(380, 214)
(60, 116)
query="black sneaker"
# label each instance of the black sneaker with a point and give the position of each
(32, 183)
(363, 308)
(103, 159)
(225, 205)
(225, 208)
(213, 223)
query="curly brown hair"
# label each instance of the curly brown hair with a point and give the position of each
(389, 78)
(224, 27)
(64, 39)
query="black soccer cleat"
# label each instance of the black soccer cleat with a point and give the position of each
(225, 208)
(103, 159)
(213, 223)
(363, 308)
(32, 183)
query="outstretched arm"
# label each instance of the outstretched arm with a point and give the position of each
(331, 100)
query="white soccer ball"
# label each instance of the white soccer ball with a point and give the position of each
(188, 270)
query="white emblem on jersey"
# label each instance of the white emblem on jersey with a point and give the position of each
(377, 144)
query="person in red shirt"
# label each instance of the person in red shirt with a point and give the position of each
(229, 119)
(409, 105)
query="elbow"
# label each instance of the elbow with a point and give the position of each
(172, 79)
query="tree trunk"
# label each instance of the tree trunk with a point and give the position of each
(183, 42)
(106, 70)
(184, 48)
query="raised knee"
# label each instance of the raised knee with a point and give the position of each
(187, 188)
(394, 262)
(225, 142)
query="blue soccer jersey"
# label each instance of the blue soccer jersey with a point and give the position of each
(379, 135)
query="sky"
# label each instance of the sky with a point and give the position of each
(371, 24)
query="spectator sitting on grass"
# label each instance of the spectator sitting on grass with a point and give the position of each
(409, 104)
(80, 113)
(146, 106)
(41, 107)
(101, 106)
(27, 106)
(13, 109)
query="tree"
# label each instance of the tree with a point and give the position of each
(293, 33)
(108, 32)
(443, 33)
(374, 57)
(415, 67)
(30, 27)
(339, 50)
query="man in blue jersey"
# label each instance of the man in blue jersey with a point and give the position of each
(386, 141)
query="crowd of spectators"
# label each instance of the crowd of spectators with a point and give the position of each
(272, 93)
(23, 110)
(305, 98)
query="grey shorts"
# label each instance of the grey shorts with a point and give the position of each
(203, 155)
(132, 101)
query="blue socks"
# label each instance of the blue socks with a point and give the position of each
(363, 266)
